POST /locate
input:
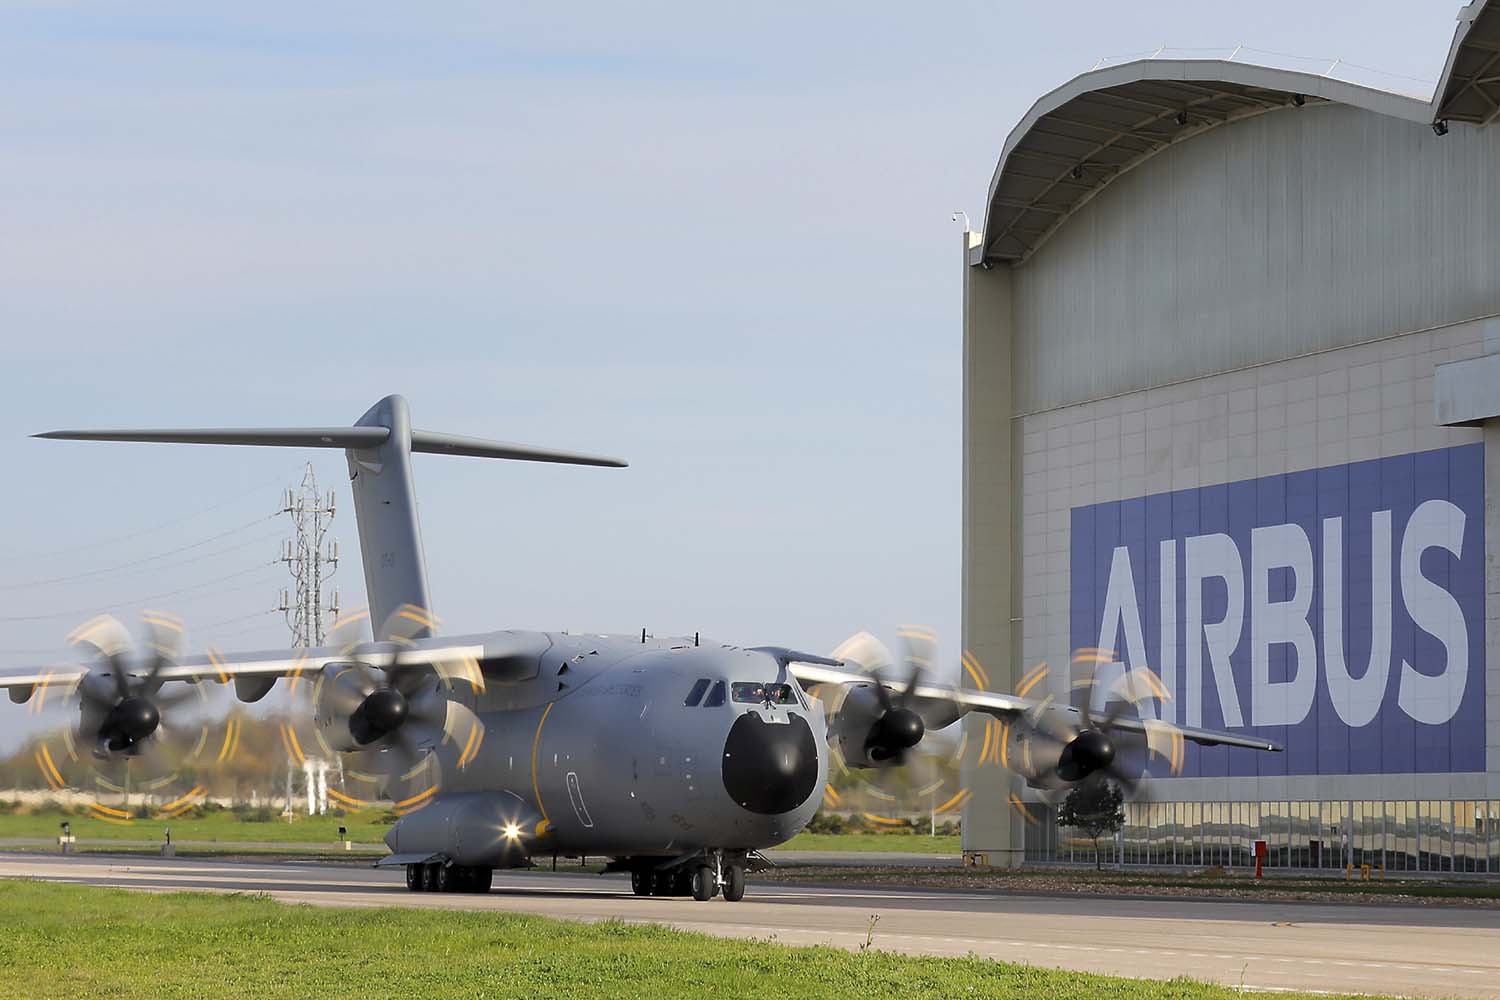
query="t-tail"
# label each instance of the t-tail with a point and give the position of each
(379, 448)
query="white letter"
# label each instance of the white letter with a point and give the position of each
(1433, 700)
(1213, 556)
(1281, 703)
(1120, 608)
(1357, 700)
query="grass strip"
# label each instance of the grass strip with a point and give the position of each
(74, 941)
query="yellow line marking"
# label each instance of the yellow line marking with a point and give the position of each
(1032, 679)
(471, 748)
(289, 740)
(188, 798)
(49, 769)
(348, 800)
(953, 803)
(536, 790)
(216, 658)
(427, 794)
(972, 666)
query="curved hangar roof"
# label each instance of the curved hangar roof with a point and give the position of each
(1081, 136)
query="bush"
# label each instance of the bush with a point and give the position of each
(254, 814)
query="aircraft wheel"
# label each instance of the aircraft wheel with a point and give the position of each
(642, 882)
(703, 883)
(734, 883)
(430, 877)
(414, 878)
(447, 878)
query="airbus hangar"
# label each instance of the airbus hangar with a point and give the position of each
(1232, 413)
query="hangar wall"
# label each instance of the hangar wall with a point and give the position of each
(1290, 232)
(1242, 332)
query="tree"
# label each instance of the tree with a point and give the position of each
(1094, 806)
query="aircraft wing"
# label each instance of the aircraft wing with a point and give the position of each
(1008, 706)
(223, 667)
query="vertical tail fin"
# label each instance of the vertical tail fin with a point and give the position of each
(385, 509)
(379, 448)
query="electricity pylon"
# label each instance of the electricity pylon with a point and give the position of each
(311, 559)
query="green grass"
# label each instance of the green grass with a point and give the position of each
(905, 842)
(71, 941)
(364, 828)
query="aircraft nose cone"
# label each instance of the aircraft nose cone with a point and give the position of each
(1089, 751)
(382, 712)
(770, 768)
(135, 718)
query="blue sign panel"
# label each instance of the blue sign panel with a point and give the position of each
(1338, 611)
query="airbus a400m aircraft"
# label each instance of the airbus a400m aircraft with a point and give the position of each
(677, 758)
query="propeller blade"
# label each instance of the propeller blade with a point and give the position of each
(918, 651)
(882, 693)
(109, 640)
(164, 645)
(406, 623)
(174, 698)
(865, 652)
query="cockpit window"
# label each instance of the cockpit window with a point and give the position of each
(716, 696)
(762, 693)
(696, 694)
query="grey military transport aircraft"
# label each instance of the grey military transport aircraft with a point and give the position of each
(679, 759)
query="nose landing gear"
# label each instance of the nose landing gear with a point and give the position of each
(702, 876)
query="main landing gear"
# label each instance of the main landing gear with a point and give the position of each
(437, 876)
(703, 878)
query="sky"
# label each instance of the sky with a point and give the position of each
(714, 240)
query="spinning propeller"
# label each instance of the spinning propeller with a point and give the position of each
(131, 735)
(1058, 746)
(394, 719)
(892, 754)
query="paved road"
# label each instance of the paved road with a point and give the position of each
(833, 859)
(1426, 951)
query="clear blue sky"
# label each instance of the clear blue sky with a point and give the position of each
(715, 241)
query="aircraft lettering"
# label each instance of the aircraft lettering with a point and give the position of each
(1334, 600)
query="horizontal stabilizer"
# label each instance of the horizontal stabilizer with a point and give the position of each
(285, 437)
(429, 442)
(438, 443)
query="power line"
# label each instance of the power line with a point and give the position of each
(136, 563)
(153, 528)
(52, 650)
(136, 601)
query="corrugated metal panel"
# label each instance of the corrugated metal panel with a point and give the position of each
(1291, 232)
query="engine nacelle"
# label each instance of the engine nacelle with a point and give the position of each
(849, 730)
(473, 829)
(340, 691)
